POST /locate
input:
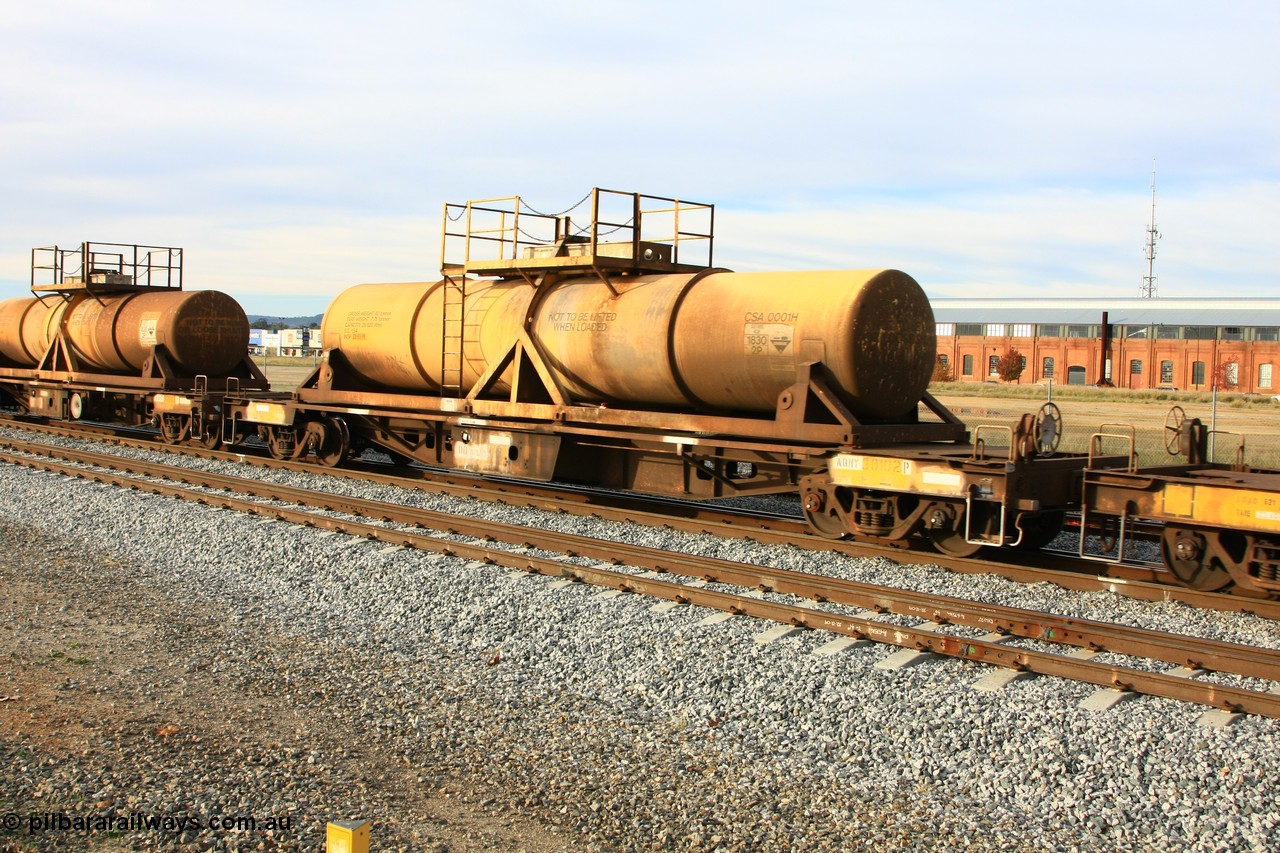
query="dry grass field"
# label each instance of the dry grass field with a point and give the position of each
(1253, 420)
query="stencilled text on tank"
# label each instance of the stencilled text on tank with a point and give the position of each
(581, 321)
(769, 333)
(356, 321)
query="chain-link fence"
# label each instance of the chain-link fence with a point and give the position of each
(1228, 443)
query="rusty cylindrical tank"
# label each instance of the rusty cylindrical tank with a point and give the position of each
(203, 331)
(391, 334)
(27, 326)
(718, 340)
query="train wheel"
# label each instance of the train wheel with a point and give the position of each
(946, 532)
(952, 543)
(334, 444)
(1193, 561)
(1039, 529)
(820, 512)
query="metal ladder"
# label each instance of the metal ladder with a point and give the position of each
(452, 333)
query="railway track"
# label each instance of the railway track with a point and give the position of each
(1023, 641)
(1143, 582)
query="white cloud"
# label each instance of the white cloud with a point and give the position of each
(996, 145)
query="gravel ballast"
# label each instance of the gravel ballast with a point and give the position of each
(459, 707)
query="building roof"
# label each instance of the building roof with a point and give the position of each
(1225, 311)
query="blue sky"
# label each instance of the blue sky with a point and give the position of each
(987, 148)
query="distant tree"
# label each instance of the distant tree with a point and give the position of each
(1226, 375)
(942, 371)
(1010, 365)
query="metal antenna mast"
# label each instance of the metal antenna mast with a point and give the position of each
(1148, 288)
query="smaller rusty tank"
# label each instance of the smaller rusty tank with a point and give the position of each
(27, 326)
(203, 331)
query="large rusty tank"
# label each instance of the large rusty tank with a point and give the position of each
(709, 341)
(203, 331)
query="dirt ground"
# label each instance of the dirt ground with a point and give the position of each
(286, 373)
(115, 696)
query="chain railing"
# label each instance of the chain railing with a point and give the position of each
(104, 265)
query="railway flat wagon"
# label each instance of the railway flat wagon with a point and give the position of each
(614, 352)
(110, 335)
(610, 350)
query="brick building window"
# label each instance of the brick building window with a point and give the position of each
(1047, 371)
(1166, 373)
(1135, 367)
(1197, 373)
(1264, 375)
(993, 363)
(968, 366)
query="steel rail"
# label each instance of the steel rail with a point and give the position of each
(1172, 648)
(1024, 566)
(1194, 653)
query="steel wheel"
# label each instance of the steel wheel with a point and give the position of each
(952, 542)
(945, 529)
(334, 444)
(1193, 561)
(822, 516)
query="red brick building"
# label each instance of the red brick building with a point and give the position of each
(1188, 344)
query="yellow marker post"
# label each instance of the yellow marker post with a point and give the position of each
(347, 836)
